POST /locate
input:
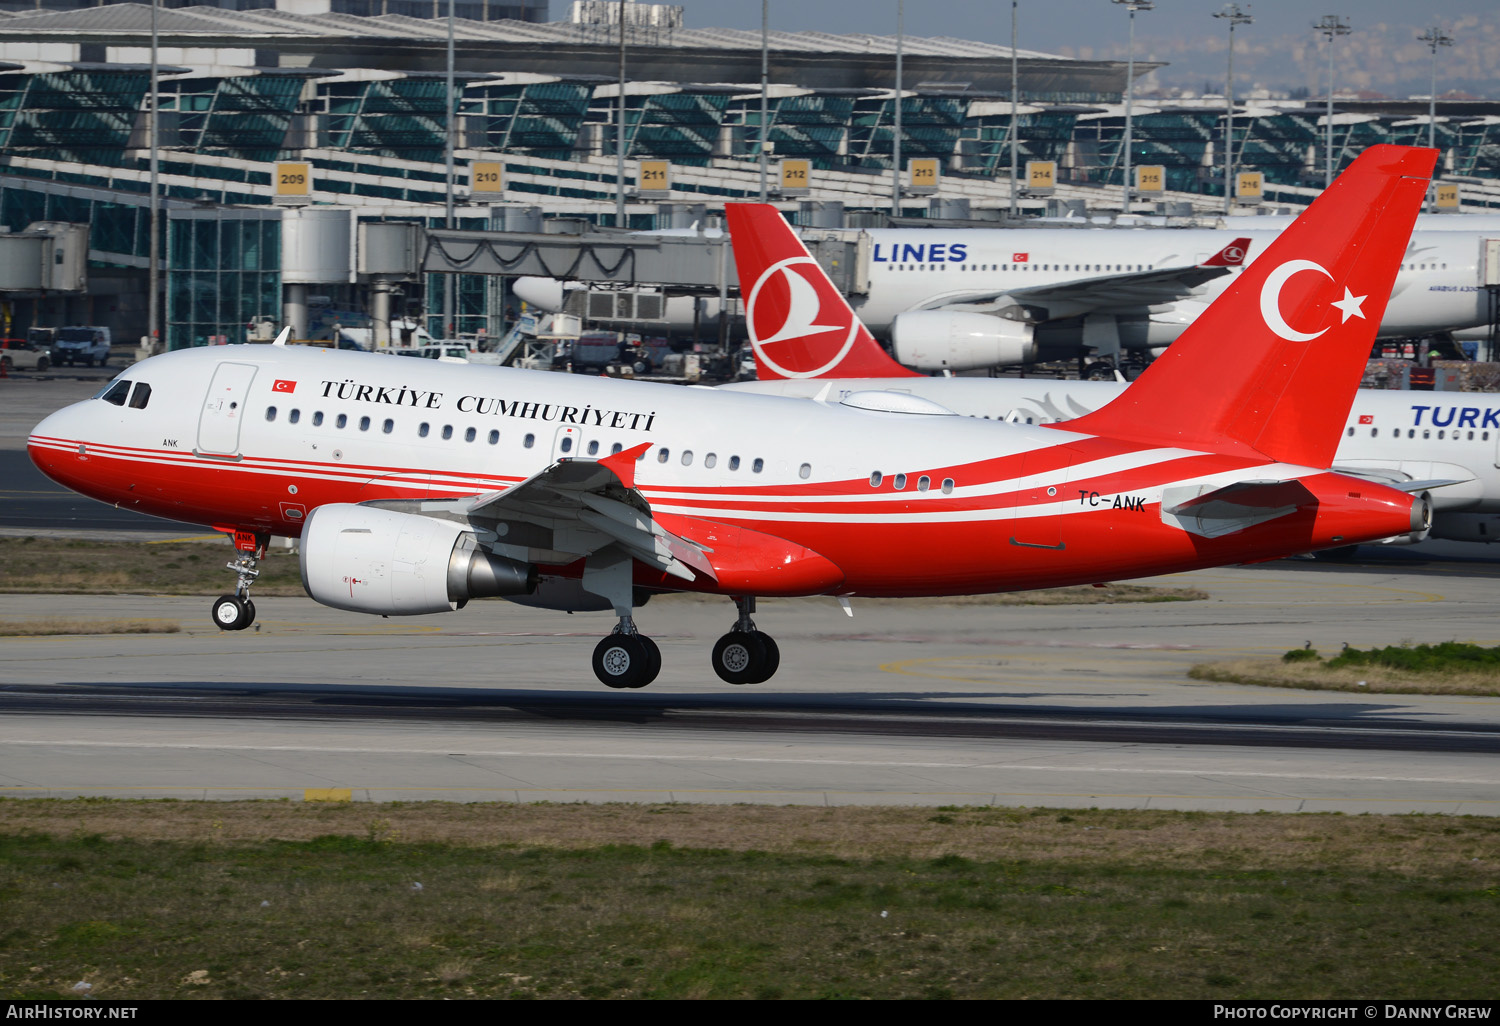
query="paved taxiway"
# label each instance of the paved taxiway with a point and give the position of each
(904, 703)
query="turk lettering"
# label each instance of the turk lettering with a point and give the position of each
(1442, 416)
(587, 415)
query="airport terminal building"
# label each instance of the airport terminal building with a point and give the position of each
(357, 90)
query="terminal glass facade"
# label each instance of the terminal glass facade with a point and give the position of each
(223, 272)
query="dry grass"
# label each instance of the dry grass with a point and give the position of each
(63, 566)
(1078, 595)
(1312, 676)
(60, 566)
(1409, 844)
(55, 625)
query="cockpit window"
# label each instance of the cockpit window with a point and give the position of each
(141, 396)
(116, 393)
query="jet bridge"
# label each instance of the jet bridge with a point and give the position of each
(684, 264)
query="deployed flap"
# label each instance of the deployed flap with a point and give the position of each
(1221, 511)
(572, 509)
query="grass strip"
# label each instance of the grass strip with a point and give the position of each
(61, 566)
(274, 899)
(1449, 668)
(54, 625)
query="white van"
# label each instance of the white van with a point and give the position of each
(85, 344)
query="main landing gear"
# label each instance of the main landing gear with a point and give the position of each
(746, 655)
(236, 612)
(629, 659)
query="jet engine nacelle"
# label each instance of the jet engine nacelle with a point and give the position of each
(958, 340)
(372, 560)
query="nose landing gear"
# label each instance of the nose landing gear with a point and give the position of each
(746, 655)
(236, 612)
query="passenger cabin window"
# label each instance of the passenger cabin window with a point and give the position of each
(141, 396)
(734, 463)
(687, 457)
(270, 411)
(663, 455)
(709, 460)
(805, 471)
(875, 478)
(947, 486)
(494, 438)
(388, 425)
(318, 419)
(423, 429)
(594, 447)
(899, 481)
(617, 447)
(447, 431)
(567, 444)
(470, 434)
(924, 483)
(757, 466)
(364, 423)
(343, 420)
(292, 416)
(529, 441)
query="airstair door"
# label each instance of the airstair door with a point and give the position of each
(224, 409)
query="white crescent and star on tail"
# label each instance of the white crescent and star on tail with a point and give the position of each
(803, 308)
(1270, 300)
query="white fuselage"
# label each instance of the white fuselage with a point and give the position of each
(1395, 434)
(1437, 289)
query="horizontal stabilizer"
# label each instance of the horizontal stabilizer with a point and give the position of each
(1220, 511)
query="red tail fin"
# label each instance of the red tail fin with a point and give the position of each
(1273, 364)
(1232, 255)
(799, 324)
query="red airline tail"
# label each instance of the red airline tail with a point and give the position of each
(1273, 364)
(799, 324)
(1232, 255)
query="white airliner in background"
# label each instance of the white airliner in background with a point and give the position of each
(1447, 441)
(968, 298)
(417, 485)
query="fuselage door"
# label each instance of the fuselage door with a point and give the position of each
(224, 409)
(1041, 499)
(567, 444)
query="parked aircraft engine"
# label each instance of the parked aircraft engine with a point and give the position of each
(959, 340)
(372, 560)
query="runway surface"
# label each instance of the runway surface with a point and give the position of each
(908, 703)
(905, 704)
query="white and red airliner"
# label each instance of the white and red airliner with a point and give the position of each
(417, 486)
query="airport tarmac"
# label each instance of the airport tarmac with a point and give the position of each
(905, 703)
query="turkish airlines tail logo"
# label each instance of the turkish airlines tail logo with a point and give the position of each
(800, 326)
(1232, 255)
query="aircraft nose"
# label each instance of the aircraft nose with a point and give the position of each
(56, 446)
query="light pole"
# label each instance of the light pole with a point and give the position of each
(1332, 26)
(1434, 38)
(448, 125)
(1014, 189)
(765, 79)
(1132, 6)
(620, 133)
(1234, 16)
(896, 135)
(153, 282)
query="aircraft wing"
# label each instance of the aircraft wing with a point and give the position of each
(1130, 290)
(570, 510)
